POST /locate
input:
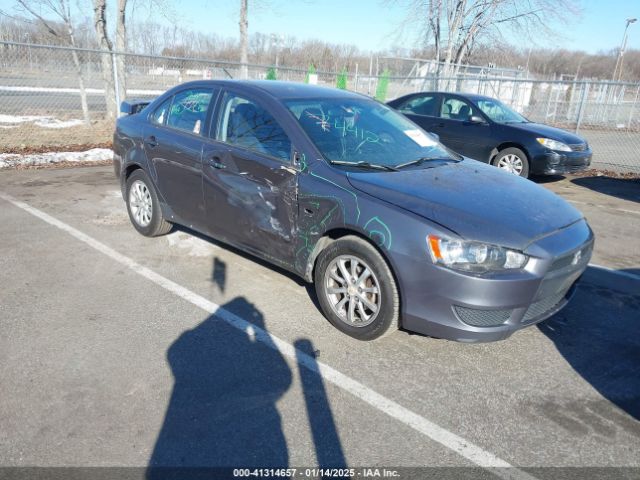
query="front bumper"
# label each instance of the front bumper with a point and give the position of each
(556, 163)
(447, 304)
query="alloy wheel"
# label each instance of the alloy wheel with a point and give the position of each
(140, 203)
(353, 290)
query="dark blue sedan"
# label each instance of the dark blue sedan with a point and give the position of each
(393, 229)
(485, 129)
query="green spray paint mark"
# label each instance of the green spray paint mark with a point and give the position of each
(384, 232)
(346, 190)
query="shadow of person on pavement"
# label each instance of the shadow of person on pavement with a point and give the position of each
(323, 428)
(222, 410)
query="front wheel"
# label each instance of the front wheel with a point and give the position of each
(512, 160)
(356, 289)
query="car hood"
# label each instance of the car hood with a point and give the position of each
(545, 131)
(473, 199)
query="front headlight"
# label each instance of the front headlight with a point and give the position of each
(554, 144)
(473, 257)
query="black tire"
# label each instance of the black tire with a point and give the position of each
(518, 153)
(387, 318)
(157, 224)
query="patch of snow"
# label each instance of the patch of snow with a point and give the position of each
(194, 246)
(8, 160)
(20, 118)
(55, 123)
(39, 121)
(88, 91)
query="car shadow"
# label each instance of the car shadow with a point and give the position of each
(542, 179)
(597, 335)
(241, 253)
(229, 375)
(623, 188)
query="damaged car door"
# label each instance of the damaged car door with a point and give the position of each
(249, 180)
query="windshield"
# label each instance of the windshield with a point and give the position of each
(360, 130)
(499, 112)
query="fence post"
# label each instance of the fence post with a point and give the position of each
(583, 101)
(355, 87)
(633, 106)
(370, 73)
(115, 83)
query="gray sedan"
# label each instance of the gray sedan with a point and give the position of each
(393, 229)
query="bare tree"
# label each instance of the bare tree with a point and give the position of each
(61, 10)
(121, 46)
(456, 27)
(106, 60)
(244, 38)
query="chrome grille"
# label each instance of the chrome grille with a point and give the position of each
(482, 318)
(578, 147)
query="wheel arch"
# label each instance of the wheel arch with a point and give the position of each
(126, 173)
(505, 145)
(335, 234)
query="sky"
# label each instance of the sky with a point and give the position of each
(373, 24)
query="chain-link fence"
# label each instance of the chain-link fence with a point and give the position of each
(55, 95)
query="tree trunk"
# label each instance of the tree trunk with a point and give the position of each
(244, 40)
(83, 92)
(121, 46)
(100, 24)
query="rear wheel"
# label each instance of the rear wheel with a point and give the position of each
(143, 206)
(356, 289)
(512, 160)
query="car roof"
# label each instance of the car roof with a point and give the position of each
(471, 96)
(281, 90)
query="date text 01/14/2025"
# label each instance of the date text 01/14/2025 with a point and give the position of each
(315, 472)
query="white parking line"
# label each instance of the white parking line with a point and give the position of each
(631, 276)
(461, 446)
(623, 210)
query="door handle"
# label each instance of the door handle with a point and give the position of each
(151, 141)
(440, 125)
(216, 162)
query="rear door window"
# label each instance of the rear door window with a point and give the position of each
(189, 110)
(160, 115)
(420, 105)
(456, 109)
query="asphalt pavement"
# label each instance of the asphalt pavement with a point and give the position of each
(120, 350)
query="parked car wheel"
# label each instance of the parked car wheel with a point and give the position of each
(512, 160)
(143, 206)
(356, 289)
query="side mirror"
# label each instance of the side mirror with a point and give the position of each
(476, 119)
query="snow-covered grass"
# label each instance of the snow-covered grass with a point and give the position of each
(56, 123)
(89, 91)
(10, 160)
(38, 121)
(19, 118)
